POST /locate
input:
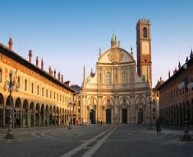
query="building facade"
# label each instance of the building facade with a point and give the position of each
(176, 94)
(42, 98)
(116, 93)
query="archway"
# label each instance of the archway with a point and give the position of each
(25, 113)
(108, 116)
(1, 110)
(140, 116)
(47, 116)
(92, 116)
(32, 122)
(17, 113)
(124, 116)
(42, 121)
(37, 115)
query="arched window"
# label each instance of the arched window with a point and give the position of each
(145, 32)
(0, 75)
(108, 78)
(25, 84)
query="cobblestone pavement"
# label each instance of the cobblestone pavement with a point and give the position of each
(95, 141)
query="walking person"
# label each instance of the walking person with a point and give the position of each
(158, 126)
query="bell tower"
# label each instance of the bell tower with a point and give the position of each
(144, 62)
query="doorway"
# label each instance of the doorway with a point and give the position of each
(140, 116)
(108, 116)
(124, 116)
(92, 116)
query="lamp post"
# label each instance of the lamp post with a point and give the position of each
(11, 83)
(150, 103)
(185, 85)
(69, 126)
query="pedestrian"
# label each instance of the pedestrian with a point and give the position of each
(158, 126)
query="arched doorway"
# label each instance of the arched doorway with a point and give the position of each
(42, 121)
(25, 113)
(92, 116)
(37, 115)
(51, 116)
(124, 116)
(108, 116)
(1, 110)
(47, 116)
(17, 113)
(140, 116)
(32, 123)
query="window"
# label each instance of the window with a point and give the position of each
(54, 95)
(32, 88)
(25, 84)
(42, 91)
(108, 78)
(153, 109)
(50, 94)
(0, 75)
(47, 93)
(145, 32)
(38, 88)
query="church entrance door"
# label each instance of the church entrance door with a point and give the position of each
(124, 116)
(92, 116)
(108, 116)
(140, 116)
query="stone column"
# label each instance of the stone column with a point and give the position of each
(128, 119)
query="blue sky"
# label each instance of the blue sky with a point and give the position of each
(69, 33)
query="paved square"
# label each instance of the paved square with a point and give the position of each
(96, 141)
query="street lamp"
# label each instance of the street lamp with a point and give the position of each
(150, 103)
(69, 104)
(11, 83)
(186, 86)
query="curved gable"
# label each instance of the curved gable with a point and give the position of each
(116, 55)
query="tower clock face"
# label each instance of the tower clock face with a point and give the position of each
(145, 47)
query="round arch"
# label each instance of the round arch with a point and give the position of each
(9, 101)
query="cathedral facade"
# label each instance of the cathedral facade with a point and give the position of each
(120, 90)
